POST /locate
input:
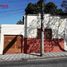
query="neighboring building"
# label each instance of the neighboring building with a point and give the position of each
(11, 36)
(26, 38)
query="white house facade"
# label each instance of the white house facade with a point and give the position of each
(30, 30)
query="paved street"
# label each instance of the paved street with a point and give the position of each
(15, 57)
(58, 59)
(39, 63)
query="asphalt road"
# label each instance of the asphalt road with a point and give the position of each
(38, 63)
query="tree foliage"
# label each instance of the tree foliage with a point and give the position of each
(34, 8)
(49, 7)
(59, 11)
(21, 21)
(31, 9)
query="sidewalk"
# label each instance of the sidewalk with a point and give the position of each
(17, 57)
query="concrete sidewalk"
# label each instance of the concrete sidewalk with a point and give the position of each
(18, 57)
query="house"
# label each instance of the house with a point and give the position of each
(27, 38)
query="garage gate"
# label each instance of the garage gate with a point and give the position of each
(13, 44)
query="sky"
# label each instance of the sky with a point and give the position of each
(12, 11)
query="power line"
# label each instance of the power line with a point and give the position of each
(11, 12)
(8, 11)
(5, 15)
(11, 1)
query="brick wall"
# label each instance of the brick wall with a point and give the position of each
(54, 45)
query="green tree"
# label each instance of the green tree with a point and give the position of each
(39, 5)
(50, 8)
(34, 8)
(21, 21)
(31, 9)
(59, 11)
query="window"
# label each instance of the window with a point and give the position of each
(48, 34)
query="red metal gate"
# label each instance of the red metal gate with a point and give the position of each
(13, 44)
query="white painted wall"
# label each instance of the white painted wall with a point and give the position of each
(12, 29)
(31, 26)
(56, 23)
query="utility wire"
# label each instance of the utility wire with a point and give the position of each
(11, 1)
(8, 11)
(12, 14)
